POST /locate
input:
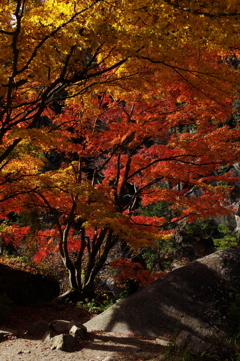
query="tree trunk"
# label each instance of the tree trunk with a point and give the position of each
(71, 296)
(82, 288)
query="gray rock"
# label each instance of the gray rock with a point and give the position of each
(197, 345)
(188, 298)
(60, 326)
(38, 328)
(8, 333)
(25, 288)
(62, 342)
(78, 330)
(49, 335)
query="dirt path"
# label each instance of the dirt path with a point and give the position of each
(100, 346)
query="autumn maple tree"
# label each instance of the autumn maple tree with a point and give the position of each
(143, 151)
(134, 97)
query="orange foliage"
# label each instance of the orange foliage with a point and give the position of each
(134, 102)
(134, 271)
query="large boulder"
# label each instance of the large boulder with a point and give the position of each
(198, 346)
(199, 298)
(24, 288)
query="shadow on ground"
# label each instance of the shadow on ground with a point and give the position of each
(110, 342)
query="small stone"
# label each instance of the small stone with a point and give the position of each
(8, 334)
(38, 328)
(60, 326)
(49, 335)
(63, 342)
(77, 329)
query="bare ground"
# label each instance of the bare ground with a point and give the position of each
(202, 297)
(99, 345)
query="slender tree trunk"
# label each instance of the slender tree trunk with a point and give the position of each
(83, 288)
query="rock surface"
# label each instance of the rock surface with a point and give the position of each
(197, 345)
(24, 288)
(59, 326)
(38, 328)
(8, 333)
(78, 330)
(60, 334)
(195, 298)
(62, 342)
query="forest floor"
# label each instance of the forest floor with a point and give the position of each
(99, 345)
(117, 346)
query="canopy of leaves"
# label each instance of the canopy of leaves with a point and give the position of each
(133, 98)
